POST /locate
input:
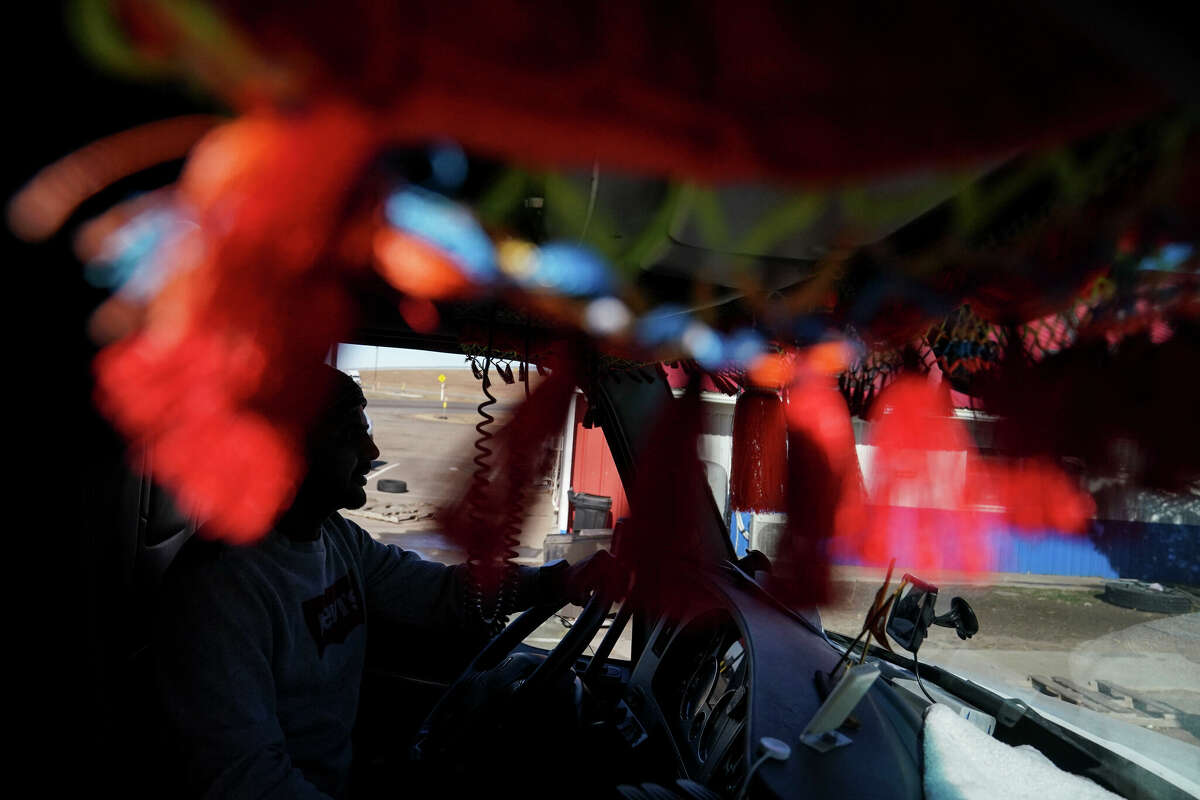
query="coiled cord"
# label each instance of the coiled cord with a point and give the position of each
(478, 557)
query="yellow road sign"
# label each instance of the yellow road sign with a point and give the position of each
(441, 378)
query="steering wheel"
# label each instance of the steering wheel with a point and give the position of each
(497, 680)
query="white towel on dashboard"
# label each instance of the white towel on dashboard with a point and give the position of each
(964, 763)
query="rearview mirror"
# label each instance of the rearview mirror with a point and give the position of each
(912, 613)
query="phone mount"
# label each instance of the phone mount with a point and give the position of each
(961, 617)
(912, 614)
(821, 733)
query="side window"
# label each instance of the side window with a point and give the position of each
(589, 499)
(423, 409)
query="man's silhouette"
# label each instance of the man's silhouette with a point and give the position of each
(261, 648)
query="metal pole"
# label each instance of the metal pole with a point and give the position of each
(564, 469)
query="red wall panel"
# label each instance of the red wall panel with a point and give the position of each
(593, 470)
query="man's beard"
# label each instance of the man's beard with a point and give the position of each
(355, 497)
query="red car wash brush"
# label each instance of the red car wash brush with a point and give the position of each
(758, 471)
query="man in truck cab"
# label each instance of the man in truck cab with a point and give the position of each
(261, 648)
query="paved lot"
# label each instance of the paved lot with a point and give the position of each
(1065, 630)
(433, 456)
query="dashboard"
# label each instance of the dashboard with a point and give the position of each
(713, 680)
(702, 685)
(716, 678)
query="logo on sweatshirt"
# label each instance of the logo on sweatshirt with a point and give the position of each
(334, 613)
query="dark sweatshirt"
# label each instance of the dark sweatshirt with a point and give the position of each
(260, 654)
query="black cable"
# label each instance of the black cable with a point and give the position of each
(498, 619)
(917, 672)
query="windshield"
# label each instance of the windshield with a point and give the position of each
(1097, 629)
(426, 410)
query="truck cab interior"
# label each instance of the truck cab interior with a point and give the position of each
(726, 682)
(714, 683)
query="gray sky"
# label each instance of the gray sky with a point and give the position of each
(360, 356)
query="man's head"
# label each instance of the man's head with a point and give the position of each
(340, 448)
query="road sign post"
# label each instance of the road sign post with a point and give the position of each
(442, 386)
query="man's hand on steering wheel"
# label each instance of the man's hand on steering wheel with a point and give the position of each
(498, 680)
(574, 583)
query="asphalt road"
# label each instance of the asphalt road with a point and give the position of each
(377, 404)
(433, 457)
(1066, 631)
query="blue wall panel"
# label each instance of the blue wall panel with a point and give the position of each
(1146, 551)
(1108, 549)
